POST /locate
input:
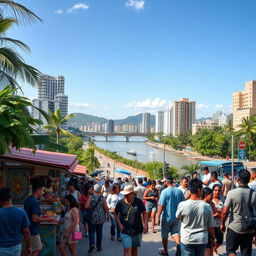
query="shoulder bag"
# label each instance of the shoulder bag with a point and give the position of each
(249, 217)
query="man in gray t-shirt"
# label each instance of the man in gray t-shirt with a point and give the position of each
(196, 221)
(237, 234)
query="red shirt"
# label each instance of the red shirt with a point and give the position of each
(83, 201)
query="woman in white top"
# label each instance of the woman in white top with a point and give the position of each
(112, 200)
(71, 224)
(106, 189)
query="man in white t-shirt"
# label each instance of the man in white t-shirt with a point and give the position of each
(194, 231)
(207, 177)
(184, 187)
(140, 189)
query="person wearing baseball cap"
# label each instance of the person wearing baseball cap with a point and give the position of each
(128, 214)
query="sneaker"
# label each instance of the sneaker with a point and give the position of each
(99, 249)
(91, 248)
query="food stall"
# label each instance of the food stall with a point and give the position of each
(19, 168)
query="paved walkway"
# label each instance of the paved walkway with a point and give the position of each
(150, 245)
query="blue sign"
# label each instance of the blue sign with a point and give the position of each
(241, 154)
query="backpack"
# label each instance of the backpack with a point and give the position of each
(249, 217)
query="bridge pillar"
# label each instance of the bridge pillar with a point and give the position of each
(127, 138)
(106, 137)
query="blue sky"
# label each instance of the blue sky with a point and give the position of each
(122, 57)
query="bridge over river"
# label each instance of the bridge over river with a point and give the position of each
(111, 134)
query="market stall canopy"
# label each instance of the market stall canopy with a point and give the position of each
(96, 173)
(80, 170)
(41, 157)
(123, 171)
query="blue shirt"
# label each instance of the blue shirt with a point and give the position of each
(32, 207)
(170, 199)
(12, 222)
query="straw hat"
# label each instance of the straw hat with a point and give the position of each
(128, 189)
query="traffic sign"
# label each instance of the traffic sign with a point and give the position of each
(242, 145)
(242, 154)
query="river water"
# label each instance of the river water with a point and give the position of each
(145, 153)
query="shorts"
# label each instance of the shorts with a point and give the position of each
(172, 227)
(235, 240)
(69, 239)
(36, 243)
(218, 235)
(86, 216)
(151, 207)
(11, 251)
(131, 241)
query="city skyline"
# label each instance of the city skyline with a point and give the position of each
(125, 58)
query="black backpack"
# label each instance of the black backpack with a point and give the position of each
(249, 217)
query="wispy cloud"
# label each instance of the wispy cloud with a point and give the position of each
(59, 11)
(148, 105)
(218, 106)
(201, 106)
(79, 6)
(135, 4)
(74, 8)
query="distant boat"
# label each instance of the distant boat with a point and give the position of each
(132, 152)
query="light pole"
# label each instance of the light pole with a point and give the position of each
(164, 161)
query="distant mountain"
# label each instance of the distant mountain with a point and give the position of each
(203, 119)
(83, 119)
(135, 120)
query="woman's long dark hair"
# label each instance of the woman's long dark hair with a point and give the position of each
(87, 188)
(72, 201)
(206, 191)
(114, 187)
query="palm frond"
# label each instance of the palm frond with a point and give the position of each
(21, 13)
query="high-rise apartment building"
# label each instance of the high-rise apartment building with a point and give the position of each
(51, 96)
(110, 126)
(145, 123)
(167, 129)
(244, 103)
(159, 126)
(183, 116)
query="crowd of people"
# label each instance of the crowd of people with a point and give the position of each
(194, 211)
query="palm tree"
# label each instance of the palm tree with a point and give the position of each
(248, 129)
(12, 66)
(55, 121)
(16, 124)
(191, 168)
(90, 160)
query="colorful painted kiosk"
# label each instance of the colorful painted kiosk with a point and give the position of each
(17, 170)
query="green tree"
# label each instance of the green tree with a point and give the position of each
(248, 130)
(55, 121)
(90, 160)
(209, 142)
(16, 124)
(12, 65)
(191, 168)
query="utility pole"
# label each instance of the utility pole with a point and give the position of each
(232, 156)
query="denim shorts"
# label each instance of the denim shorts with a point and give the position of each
(131, 241)
(192, 249)
(172, 227)
(151, 207)
(11, 251)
